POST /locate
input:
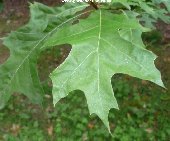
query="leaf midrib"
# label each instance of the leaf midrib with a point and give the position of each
(98, 61)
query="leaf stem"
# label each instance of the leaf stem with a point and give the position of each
(94, 5)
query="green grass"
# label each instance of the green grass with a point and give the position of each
(143, 115)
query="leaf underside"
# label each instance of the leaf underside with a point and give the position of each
(102, 45)
(19, 73)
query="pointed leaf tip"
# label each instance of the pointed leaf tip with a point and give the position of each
(99, 50)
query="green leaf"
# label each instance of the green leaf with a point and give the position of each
(165, 2)
(153, 12)
(19, 73)
(102, 45)
(123, 2)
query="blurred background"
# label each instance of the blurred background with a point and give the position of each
(144, 113)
